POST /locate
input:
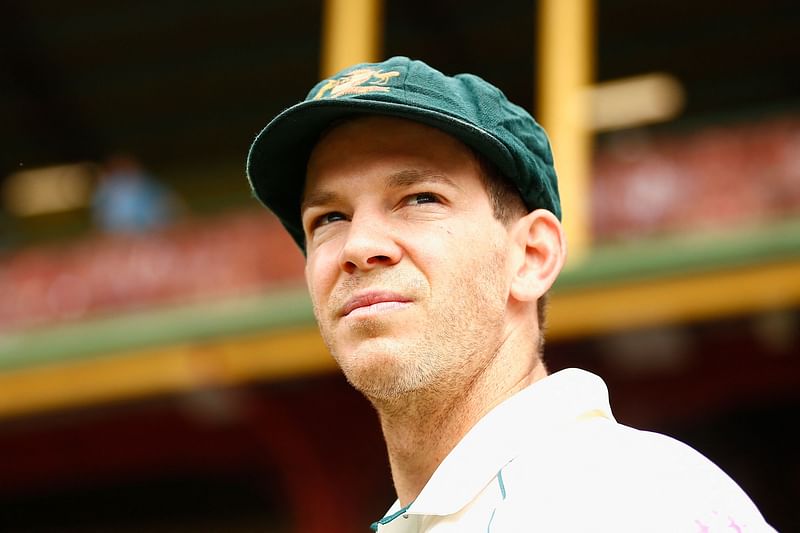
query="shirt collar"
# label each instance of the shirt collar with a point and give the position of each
(503, 433)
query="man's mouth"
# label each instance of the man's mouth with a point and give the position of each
(373, 302)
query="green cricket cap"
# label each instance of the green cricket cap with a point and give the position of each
(464, 106)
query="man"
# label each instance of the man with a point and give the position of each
(428, 210)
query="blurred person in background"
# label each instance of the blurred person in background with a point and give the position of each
(428, 210)
(130, 200)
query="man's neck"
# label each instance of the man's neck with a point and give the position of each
(422, 428)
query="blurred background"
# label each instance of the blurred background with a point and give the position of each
(160, 369)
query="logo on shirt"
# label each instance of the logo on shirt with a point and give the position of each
(359, 81)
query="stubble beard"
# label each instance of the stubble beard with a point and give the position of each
(460, 329)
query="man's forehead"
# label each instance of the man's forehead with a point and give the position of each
(360, 134)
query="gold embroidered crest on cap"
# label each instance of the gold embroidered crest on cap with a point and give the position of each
(359, 81)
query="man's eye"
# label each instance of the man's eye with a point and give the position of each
(423, 198)
(328, 218)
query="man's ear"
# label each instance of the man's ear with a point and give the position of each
(540, 250)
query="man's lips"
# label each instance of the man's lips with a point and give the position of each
(367, 299)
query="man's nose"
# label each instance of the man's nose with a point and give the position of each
(369, 244)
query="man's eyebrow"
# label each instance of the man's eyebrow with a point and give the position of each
(405, 178)
(316, 198)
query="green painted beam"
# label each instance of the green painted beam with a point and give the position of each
(152, 327)
(684, 254)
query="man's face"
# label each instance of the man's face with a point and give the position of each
(406, 264)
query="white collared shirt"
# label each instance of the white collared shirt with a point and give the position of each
(552, 458)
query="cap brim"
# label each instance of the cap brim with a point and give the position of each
(276, 163)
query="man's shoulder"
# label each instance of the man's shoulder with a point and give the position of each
(628, 478)
(599, 450)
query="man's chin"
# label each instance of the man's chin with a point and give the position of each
(380, 375)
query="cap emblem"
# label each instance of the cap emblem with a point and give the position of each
(359, 81)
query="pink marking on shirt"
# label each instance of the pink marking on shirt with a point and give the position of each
(734, 525)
